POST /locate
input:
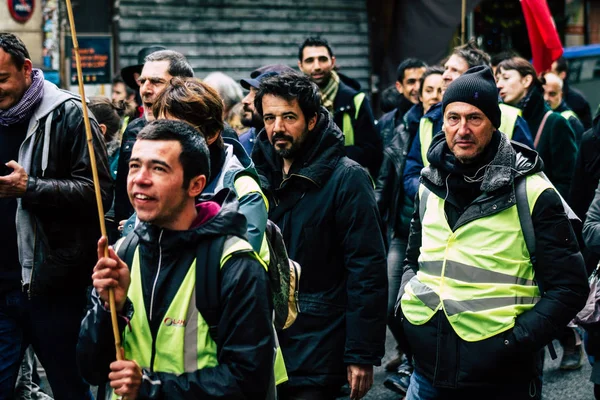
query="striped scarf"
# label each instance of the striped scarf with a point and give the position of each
(330, 91)
(24, 108)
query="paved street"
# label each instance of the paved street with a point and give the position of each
(558, 385)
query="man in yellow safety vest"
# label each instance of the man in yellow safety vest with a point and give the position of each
(169, 346)
(471, 300)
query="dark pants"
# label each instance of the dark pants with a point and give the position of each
(51, 326)
(395, 264)
(422, 389)
(307, 393)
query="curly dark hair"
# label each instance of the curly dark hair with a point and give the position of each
(14, 46)
(290, 86)
(472, 54)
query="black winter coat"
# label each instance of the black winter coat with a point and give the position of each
(511, 357)
(557, 145)
(585, 181)
(367, 149)
(329, 219)
(245, 346)
(62, 201)
(123, 207)
(389, 190)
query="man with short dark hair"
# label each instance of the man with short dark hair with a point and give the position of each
(49, 221)
(341, 96)
(251, 118)
(169, 348)
(573, 97)
(159, 67)
(470, 301)
(324, 204)
(407, 84)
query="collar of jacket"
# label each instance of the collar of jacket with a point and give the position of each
(228, 221)
(511, 159)
(534, 107)
(344, 100)
(321, 152)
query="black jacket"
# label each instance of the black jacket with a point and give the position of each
(389, 121)
(329, 219)
(585, 181)
(59, 216)
(123, 207)
(367, 149)
(557, 145)
(245, 332)
(577, 102)
(511, 357)
(389, 191)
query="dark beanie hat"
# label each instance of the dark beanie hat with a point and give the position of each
(477, 87)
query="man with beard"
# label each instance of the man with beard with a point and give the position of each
(250, 117)
(159, 67)
(349, 107)
(325, 206)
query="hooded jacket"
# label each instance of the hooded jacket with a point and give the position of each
(511, 357)
(327, 213)
(57, 219)
(245, 346)
(367, 149)
(414, 161)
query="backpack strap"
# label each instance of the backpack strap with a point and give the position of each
(525, 218)
(529, 234)
(541, 128)
(423, 202)
(126, 248)
(208, 283)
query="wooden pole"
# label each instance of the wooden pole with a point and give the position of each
(88, 133)
(463, 16)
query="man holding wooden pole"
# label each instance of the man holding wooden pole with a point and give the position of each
(49, 220)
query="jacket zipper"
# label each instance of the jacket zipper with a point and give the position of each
(33, 260)
(152, 299)
(299, 176)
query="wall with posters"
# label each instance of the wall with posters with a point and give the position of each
(24, 19)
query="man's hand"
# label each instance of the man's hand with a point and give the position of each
(360, 379)
(111, 272)
(125, 378)
(15, 183)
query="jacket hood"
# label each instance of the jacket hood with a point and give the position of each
(218, 213)
(414, 114)
(511, 160)
(53, 97)
(322, 149)
(353, 83)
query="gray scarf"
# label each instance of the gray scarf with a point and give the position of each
(24, 108)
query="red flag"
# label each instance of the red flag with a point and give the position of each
(545, 43)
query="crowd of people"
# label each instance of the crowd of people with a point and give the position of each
(458, 220)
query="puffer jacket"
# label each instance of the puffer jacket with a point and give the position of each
(245, 343)
(57, 217)
(327, 213)
(513, 356)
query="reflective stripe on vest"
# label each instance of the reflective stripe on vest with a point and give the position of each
(347, 127)
(425, 137)
(569, 114)
(183, 341)
(481, 278)
(245, 184)
(509, 115)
